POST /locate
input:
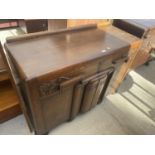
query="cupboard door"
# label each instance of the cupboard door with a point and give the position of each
(79, 93)
(77, 98)
(89, 93)
(99, 89)
(92, 92)
(56, 109)
(108, 82)
(56, 101)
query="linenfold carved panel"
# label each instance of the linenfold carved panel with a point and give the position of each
(49, 88)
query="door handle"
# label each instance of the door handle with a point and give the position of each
(70, 81)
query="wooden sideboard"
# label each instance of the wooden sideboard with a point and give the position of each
(140, 37)
(63, 73)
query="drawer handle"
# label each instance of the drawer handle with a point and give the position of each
(122, 59)
(70, 81)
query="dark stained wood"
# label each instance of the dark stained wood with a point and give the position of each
(41, 34)
(137, 27)
(49, 66)
(61, 50)
(130, 26)
(33, 25)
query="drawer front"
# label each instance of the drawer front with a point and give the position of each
(86, 69)
(114, 60)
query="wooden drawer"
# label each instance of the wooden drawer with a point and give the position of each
(87, 69)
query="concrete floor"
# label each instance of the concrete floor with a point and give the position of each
(130, 111)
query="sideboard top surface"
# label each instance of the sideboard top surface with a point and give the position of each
(44, 54)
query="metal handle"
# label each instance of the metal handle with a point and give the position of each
(71, 81)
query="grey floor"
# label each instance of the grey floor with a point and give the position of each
(130, 111)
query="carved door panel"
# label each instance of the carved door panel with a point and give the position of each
(56, 101)
(90, 92)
